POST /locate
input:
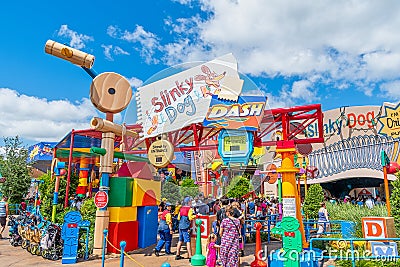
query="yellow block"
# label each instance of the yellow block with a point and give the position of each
(83, 182)
(122, 214)
(146, 192)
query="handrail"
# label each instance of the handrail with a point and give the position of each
(342, 242)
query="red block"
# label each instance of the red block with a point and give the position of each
(81, 190)
(123, 231)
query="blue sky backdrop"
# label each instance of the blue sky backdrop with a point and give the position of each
(335, 53)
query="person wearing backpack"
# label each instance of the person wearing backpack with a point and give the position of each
(186, 215)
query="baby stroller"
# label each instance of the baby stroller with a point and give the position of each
(15, 238)
(51, 243)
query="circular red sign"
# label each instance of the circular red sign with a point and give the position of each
(101, 199)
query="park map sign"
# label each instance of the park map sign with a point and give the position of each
(390, 121)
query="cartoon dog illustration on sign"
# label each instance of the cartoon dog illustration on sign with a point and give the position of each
(212, 80)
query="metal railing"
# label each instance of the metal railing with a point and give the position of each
(354, 246)
(312, 228)
(14, 208)
(266, 223)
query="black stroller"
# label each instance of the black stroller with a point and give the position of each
(51, 243)
(15, 237)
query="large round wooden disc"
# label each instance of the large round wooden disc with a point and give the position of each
(110, 92)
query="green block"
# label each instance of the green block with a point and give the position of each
(121, 190)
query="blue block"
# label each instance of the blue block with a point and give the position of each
(307, 259)
(147, 217)
(68, 260)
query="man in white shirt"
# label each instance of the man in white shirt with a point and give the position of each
(369, 203)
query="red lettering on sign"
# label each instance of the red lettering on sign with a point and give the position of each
(374, 229)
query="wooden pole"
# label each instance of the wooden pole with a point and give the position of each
(386, 189)
(71, 148)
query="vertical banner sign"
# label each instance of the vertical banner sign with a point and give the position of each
(390, 121)
(198, 166)
(182, 99)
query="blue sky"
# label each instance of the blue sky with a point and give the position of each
(297, 52)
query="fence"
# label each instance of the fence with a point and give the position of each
(266, 223)
(311, 227)
(14, 208)
(383, 249)
(314, 228)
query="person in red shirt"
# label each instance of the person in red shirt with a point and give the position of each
(165, 231)
(186, 215)
(216, 206)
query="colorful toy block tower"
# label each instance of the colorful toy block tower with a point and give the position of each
(133, 207)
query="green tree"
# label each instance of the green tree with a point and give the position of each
(46, 190)
(16, 170)
(170, 191)
(395, 202)
(312, 202)
(189, 188)
(88, 211)
(238, 187)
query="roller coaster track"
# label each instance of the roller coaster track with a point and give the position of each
(353, 153)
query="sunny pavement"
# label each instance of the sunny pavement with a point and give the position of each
(16, 256)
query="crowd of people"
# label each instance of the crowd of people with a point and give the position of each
(361, 201)
(227, 239)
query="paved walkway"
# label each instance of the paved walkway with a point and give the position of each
(16, 256)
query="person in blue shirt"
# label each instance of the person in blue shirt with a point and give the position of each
(323, 220)
(3, 214)
(360, 202)
(251, 206)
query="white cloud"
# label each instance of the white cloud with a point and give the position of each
(391, 90)
(344, 42)
(107, 52)
(119, 51)
(183, 2)
(110, 50)
(303, 90)
(112, 31)
(149, 42)
(78, 40)
(39, 119)
(135, 82)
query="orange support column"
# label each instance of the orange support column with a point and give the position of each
(83, 176)
(290, 196)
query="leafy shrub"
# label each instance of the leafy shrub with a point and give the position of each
(189, 188)
(354, 213)
(312, 201)
(238, 187)
(395, 203)
(88, 211)
(170, 191)
(46, 190)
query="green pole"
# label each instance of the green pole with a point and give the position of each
(118, 155)
(53, 213)
(280, 190)
(198, 259)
